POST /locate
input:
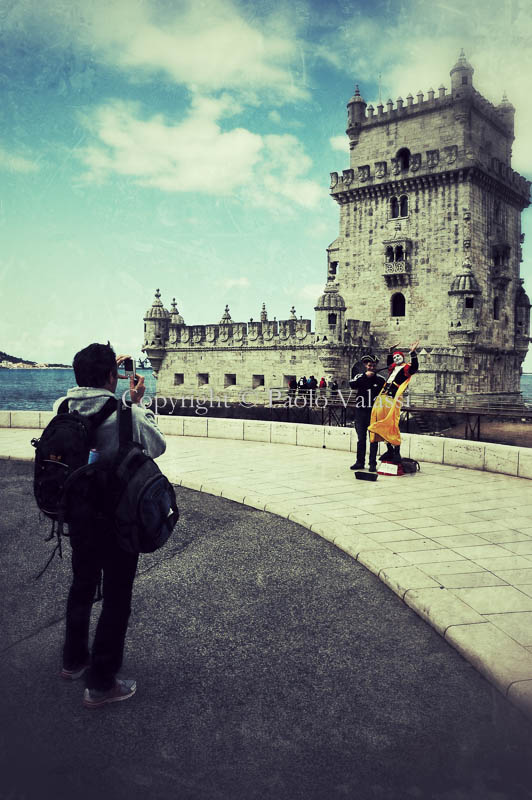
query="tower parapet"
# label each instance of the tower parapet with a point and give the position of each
(256, 354)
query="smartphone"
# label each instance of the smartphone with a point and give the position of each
(129, 367)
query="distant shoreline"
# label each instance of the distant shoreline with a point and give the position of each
(53, 366)
(34, 366)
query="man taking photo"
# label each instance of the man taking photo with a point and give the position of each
(367, 385)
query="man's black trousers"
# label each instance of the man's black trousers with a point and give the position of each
(94, 551)
(362, 420)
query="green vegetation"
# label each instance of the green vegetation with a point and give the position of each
(14, 359)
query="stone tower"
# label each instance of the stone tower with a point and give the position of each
(430, 235)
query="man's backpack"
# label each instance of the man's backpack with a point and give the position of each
(130, 490)
(61, 452)
(142, 499)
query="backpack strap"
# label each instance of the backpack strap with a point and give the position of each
(125, 423)
(95, 419)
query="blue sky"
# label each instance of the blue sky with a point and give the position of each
(187, 145)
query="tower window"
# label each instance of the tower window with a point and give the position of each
(389, 253)
(333, 266)
(179, 378)
(257, 380)
(398, 305)
(399, 252)
(203, 378)
(229, 379)
(470, 302)
(394, 207)
(495, 308)
(403, 206)
(403, 156)
(464, 80)
(332, 319)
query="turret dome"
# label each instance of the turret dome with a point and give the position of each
(505, 104)
(462, 65)
(357, 97)
(157, 310)
(330, 299)
(226, 319)
(175, 316)
(465, 282)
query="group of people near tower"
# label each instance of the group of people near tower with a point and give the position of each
(311, 384)
(380, 409)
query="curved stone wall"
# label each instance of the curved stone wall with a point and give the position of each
(435, 449)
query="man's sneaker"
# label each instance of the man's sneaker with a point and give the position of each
(123, 688)
(73, 673)
(357, 465)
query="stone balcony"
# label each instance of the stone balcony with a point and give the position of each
(397, 273)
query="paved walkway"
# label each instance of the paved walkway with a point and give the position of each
(270, 666)
(454, 544)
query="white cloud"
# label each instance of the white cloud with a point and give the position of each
(311, 291)
(283, 182)
(340, 143)
(196, 155)
(274, 116)
(209, 45)
(16, 163)
(236, 283)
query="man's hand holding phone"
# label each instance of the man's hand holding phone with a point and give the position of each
(136, 388)
(136, 382)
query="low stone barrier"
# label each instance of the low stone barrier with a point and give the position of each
(435, 449)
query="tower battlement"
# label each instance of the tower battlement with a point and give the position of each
(390, 112)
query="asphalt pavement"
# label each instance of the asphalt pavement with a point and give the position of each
(269, 664)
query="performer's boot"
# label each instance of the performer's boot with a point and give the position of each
(397, 453)
(373, 456)
(389, 455)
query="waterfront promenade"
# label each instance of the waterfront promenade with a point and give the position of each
(455, 544)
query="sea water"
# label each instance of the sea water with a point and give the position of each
(38, 389)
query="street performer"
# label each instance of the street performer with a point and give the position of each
(384, 425)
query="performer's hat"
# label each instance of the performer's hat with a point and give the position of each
(368, 357)
(398, 353)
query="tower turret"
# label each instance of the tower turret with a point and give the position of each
(465, 300)
(330, 313)
(356, 114)
(156, 324)
(522, 318)
(226, 318)
(175, 316)
(462, 76)
(507, 113)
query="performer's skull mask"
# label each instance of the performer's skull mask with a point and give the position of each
(398, 358)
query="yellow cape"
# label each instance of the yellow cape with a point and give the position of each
(384, 426)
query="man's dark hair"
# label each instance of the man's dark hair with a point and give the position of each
(93, 364)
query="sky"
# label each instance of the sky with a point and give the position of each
(186, 145)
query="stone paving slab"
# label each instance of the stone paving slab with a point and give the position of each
(455, 544)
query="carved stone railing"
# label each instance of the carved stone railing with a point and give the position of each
(397, 273)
